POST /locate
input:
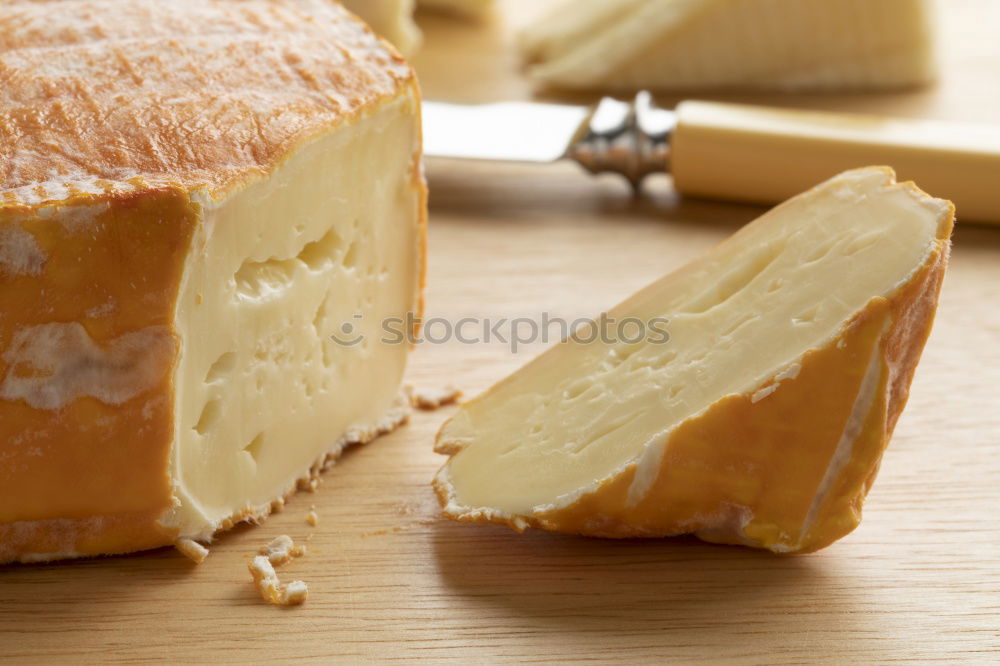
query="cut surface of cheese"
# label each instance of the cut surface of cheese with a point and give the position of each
(700, 44)
(205, 211)
(759, 418)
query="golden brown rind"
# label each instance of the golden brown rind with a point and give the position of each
(190, 93)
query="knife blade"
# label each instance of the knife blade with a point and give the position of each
(727, 151)
(505, 131)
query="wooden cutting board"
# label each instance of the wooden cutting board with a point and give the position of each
(390, 580)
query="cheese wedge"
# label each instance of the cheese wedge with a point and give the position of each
(753, 410)
(701, 44)
(195, 200)
(469, 8)
(392, 19)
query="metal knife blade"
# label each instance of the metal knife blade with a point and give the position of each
(631, 139)
(506, 131)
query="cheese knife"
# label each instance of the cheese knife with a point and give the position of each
(727, 151)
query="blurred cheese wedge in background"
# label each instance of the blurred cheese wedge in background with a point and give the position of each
(747, 44)
(763, 418)
(470, 8)
(393, 19)
(193, 198)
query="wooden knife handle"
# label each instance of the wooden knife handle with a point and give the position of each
(765, 155)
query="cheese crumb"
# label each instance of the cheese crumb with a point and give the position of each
(192, 550)
(309, 483)
(312, 518)
(296, 593)
(281, 550)
(431, 399)
(763, 393)
(791, 372)
(271, 589)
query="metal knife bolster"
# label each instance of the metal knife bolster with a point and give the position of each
(631, 139)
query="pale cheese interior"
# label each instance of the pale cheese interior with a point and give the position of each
(738, 316)
(331, 237)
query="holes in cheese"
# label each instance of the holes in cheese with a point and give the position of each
(738, 278)
(211, 413)
(277, 387)
(350, 260)
(264, 279)
(255, 446)
(320, 254)
(763, 417)
(221, 369)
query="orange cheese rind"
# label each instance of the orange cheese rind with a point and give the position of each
(31, 541)
(745, 470)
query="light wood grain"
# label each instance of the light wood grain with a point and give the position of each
(389, 580)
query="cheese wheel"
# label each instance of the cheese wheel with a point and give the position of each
(205, 210)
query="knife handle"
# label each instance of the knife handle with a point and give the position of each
(764, 155)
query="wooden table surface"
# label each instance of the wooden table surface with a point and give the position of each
(390, 580)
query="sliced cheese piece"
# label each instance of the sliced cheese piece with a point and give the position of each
(761, 415)
(470, 8)
(196, 199)
(700, 44)
(392, 19)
